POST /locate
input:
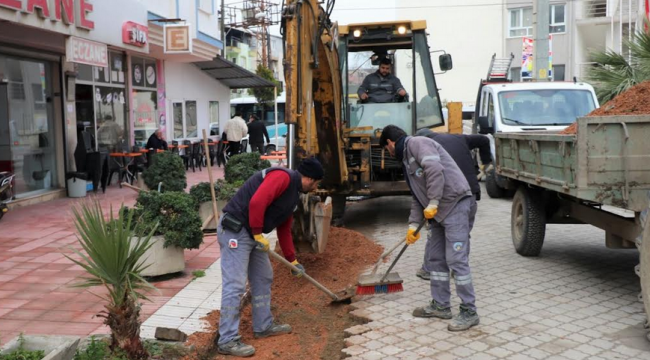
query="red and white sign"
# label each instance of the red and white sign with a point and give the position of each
(69, 11)
(87, 52)
(135, 34)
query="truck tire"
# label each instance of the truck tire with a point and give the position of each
(644, 268)
(528, 221)
(493, 189)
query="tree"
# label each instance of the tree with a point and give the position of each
(112, 257)
(613, 73)
(264, 95)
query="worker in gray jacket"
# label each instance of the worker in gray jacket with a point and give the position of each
(381, 86)
(460, 149)
(441, 195)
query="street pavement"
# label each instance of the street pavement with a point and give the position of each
(577, 300)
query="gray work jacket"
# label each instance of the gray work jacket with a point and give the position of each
(380, 89)
(432, 176)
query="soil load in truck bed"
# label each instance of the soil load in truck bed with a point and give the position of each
(634, 101)
(317, 325)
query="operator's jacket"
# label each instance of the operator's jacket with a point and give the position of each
(432, 176)
(380, 89)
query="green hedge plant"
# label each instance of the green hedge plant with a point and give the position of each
(167, 168)
(175, 212)
(227, 190)
(243, 166)
(201, 192)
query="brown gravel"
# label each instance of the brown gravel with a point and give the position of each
(317, 324)
(634, 101)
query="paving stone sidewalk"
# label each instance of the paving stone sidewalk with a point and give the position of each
(578, 300)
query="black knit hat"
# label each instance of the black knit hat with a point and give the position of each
(311, 168)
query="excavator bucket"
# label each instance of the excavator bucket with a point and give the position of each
(311, 227)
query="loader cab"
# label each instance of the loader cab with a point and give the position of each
(361, 49)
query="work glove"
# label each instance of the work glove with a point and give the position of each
(300, 267)
(431, 210)
(483, 170)
(411, 236)
(262, 242)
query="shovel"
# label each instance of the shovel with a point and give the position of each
(343, 296)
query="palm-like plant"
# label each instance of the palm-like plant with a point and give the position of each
(112, 258)
(613, 73)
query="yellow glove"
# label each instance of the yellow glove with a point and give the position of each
(300, 267)
(431, 210)
(411, 236)
(483, 170)
(262, 242)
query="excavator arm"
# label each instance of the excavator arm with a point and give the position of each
(313, 111)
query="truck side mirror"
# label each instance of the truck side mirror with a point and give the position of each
(445, 62)
(484, 126)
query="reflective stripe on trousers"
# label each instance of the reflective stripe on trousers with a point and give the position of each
(448, 249)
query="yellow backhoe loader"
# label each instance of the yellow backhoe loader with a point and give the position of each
(324, 65)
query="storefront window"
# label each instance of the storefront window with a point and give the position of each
(190, 119)
(145, 107)
(27, 146)
(178, 119)
(213, 108)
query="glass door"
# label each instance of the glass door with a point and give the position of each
(28, 124)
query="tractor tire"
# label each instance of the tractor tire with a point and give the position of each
(493, 189)
(528, 221)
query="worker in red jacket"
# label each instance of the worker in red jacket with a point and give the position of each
(265, 202)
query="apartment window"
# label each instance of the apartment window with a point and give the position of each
(521, 22)
(206, 6)
(558, 19)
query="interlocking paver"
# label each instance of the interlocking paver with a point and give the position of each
(572, 302)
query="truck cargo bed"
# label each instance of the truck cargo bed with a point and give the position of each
(607, 162)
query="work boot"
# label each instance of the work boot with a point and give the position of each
(236, 348)
(275, 329)
(465, 319)
(433, 310)
(423, 274)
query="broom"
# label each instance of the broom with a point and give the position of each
(389, 282)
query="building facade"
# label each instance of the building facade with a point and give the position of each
(577, 29)
(102, 76)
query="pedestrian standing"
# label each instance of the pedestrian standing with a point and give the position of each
(265, 202)
(256, 134)
(235, 130)
(443, 197)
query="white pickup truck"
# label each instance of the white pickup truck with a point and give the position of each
(527, 106)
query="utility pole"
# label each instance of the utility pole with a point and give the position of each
(541, 10)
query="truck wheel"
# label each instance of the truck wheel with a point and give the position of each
(493, 189)
(528, 222)
(644, 268)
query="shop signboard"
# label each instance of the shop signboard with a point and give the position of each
(135, 34)
(177, 39)
(82, 51)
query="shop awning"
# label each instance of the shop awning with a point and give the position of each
(232, 75)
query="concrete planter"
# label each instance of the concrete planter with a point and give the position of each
(205, 210)
(161, 260)
(55, 347)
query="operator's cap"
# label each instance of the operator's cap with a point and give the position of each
(311, 168)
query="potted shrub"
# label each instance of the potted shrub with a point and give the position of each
(203, 198)
(112, 257)
(167, 168)
(243, 166)
(179, 229)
